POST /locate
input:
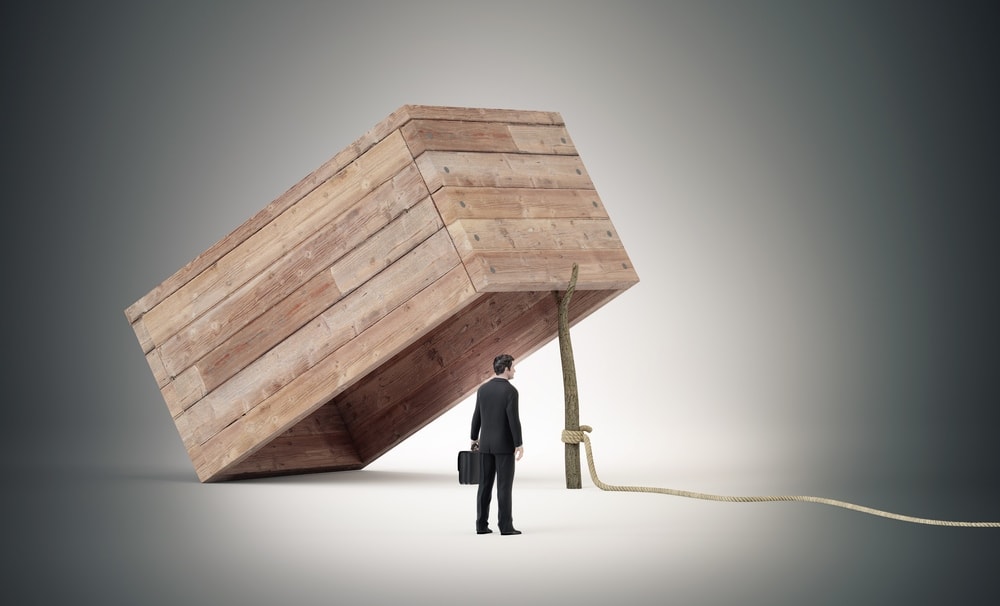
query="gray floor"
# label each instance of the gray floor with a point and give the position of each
(398, 533)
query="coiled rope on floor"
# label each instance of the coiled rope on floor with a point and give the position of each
(575, 437)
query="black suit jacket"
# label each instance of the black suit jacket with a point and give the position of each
(496, 422)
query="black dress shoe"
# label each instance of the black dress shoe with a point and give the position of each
(487, 531)
(509, 532)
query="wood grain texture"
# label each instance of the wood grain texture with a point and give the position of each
(608, 269)
(542, 139)
(458, 203)
(531, 236)
(477, 169)
(454, 135)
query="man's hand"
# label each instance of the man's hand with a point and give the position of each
(518, 453)
(475, 445)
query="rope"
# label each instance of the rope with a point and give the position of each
(575, 437)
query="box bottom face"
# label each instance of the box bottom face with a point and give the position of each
(417, 385)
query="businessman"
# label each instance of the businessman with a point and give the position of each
(496, 430)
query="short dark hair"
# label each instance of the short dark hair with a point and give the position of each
(502, 363)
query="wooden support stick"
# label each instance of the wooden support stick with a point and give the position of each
(572, 398)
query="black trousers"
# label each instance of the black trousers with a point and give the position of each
(498, 468)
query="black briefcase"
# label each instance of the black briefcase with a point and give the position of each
(468, 466)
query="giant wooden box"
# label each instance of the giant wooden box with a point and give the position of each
(372, 296)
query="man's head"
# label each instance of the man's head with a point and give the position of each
(503, 363)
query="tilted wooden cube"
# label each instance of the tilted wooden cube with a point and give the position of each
(372, 296)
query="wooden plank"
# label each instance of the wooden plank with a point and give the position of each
(535, 139)
(298, 191)
(477, 169)
(334, 373)
(296, 267)
(375, 253)
(257, 252)
(516, 116)
(380, 251)
(453, 135)
(608, 269)
(472, 236)
(270, 374)
(457, 203)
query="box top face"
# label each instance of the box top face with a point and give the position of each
(429, 128)
(330, 280)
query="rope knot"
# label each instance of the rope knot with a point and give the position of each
(571, 436)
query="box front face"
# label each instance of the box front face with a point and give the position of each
(520, 206)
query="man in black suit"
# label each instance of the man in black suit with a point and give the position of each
(496, 429)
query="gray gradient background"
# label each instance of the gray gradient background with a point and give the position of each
(809, 194)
